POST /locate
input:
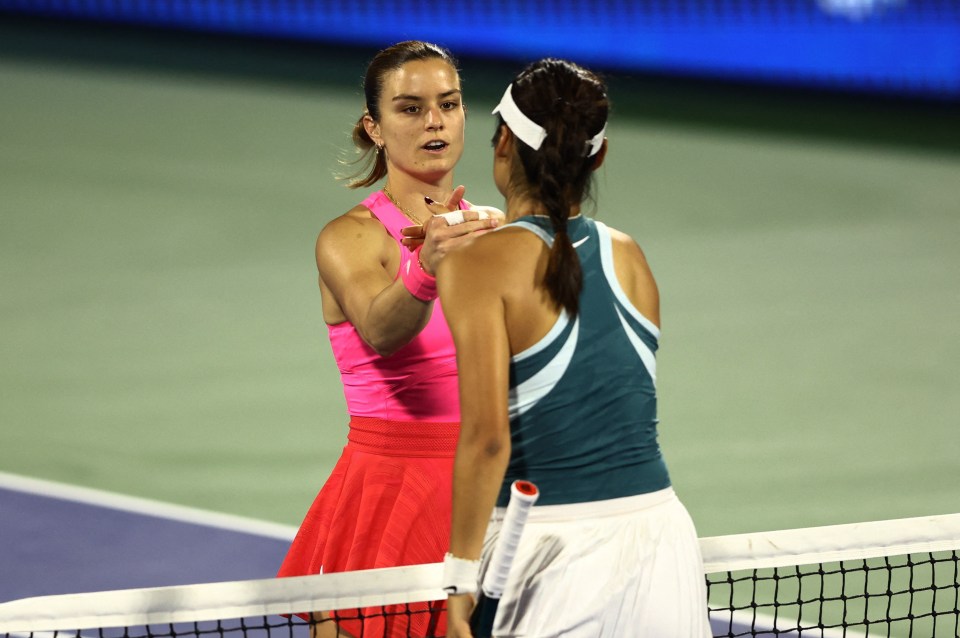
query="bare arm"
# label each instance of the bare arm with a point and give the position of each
(474, 309)
(633, 273)
(354, 256)
(358, 262)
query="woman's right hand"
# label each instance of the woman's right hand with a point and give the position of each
(459, 608)
(438, 237)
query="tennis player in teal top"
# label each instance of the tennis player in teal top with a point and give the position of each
(556, 338)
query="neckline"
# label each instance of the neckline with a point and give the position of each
(575, 219)
(410, 216)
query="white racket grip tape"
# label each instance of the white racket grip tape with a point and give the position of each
(523, 495)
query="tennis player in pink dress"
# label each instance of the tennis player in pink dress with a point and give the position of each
(387, 501)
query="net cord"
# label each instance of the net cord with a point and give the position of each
(813, 545)
(216, 601)
(419, 583)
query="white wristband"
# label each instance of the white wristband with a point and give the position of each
(460, 575)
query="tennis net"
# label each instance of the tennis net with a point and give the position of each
(897, 578)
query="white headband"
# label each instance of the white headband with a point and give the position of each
(531, 133)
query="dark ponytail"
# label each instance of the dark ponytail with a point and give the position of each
(372, 160)
(571, 104)
(564, 277)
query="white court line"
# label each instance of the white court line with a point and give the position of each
(765, 624)
(146, 506)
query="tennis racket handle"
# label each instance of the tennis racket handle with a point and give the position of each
(523, 494)
(481, 622)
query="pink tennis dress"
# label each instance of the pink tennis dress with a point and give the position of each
(387, 501)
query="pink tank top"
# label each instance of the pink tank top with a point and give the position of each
(416, 383)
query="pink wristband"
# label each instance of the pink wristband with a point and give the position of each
(416, 280)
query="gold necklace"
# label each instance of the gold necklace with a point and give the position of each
(410, 216)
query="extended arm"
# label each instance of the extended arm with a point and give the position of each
(356, 260)
(353, 256)
(474, 309)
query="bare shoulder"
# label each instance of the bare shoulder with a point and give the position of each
(497, 254)
(627, 245)
(355, 232)
(357, 220)
(634, 274)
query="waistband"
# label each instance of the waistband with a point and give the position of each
(403, 438)
(593, 509)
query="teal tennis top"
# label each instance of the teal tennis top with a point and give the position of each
(583, 400)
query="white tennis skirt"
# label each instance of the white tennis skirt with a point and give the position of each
(624, 568)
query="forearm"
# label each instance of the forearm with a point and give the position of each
(393, 318)
(478, 473)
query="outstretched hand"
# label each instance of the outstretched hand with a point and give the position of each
(438, 236)
(413, 236)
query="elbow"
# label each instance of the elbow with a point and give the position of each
(384, 350)
(383, 346)
(494, 448)
(387, 339)
(486, 444)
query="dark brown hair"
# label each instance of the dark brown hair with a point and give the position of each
(570, 103)
(373, 163)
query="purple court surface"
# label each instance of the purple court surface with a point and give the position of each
(61, 539)
(57, 539)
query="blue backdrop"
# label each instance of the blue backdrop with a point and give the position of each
(894, 46)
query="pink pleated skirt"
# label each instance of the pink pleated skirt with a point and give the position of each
(386, 504)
